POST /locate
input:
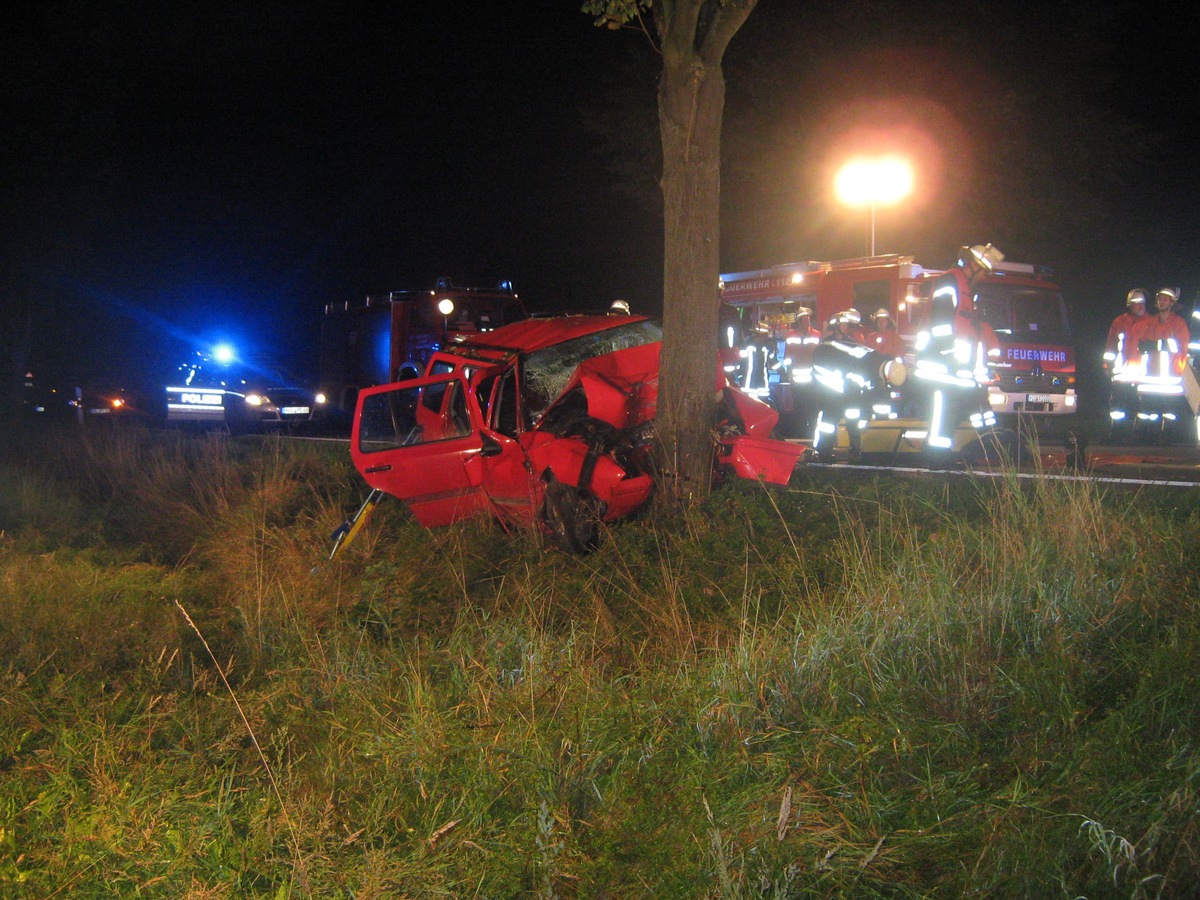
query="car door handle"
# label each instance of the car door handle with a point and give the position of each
(371, 470)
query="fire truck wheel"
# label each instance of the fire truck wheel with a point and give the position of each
(571, 516)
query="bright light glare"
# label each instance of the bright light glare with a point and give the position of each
(868, 181)
(223, 353)
(446, 306)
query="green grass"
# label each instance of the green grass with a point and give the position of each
(857, 686)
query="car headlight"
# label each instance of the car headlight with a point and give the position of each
(320, 398)
(255, 399)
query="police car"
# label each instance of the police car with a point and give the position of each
(218, 388)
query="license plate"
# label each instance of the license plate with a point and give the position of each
(295, 410)
(1037, 398)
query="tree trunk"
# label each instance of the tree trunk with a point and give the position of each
(691, 99)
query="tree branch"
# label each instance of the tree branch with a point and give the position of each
(677, 25)
(730, 17)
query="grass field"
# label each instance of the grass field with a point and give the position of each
(856, 686)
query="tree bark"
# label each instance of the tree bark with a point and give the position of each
(691, 100)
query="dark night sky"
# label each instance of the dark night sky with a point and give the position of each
(177, 172)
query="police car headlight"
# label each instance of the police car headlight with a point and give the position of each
(255, 399)
(320, 398)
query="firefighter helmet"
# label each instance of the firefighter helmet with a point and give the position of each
(802, 312)
(1137, 295)
(1172, 292)
(984, 254)
(882, 313)
(849, 316)
(619, 307)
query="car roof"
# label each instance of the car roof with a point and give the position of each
(534, 334)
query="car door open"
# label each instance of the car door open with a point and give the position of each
(414, 439)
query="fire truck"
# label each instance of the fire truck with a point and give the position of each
(1035, 371)
(389, 337)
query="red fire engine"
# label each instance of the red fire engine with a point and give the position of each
(389, 337)
(1034, 371)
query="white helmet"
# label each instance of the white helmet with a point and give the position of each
(882, 313)
(986, 255)
(619, 306)
(1172, 292)
(1137, 295)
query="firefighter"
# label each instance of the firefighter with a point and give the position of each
(1118, 348)
(618, 308)
(758, 360)
(1163, 349)
(846, 326)
(801, 331)
(1121, 362)
(949, 351)
(842, 383)
(885, 338)
(1164, 337)
(850, 383)
(795, 365)
(855, 327)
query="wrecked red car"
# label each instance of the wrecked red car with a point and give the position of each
(545, 421)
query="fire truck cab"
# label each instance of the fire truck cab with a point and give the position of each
(390, 337)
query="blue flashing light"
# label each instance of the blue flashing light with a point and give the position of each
(223, 353)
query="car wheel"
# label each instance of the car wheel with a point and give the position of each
(571, 516)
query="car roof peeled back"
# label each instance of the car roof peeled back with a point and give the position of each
(529, 335)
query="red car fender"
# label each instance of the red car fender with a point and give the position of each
(758, 418)
(620, 492)
(760, 458)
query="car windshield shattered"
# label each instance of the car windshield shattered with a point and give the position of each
(547, 371)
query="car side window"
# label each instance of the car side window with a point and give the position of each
(408, 416)
(504, 412)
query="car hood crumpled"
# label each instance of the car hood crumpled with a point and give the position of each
(621, 387)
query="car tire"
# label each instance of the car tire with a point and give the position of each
(571, 517)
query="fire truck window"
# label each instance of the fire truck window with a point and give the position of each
(871, 295)
(464, 317)
(1024, 313)
(507, 311)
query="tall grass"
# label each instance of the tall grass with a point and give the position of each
(854, 687)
